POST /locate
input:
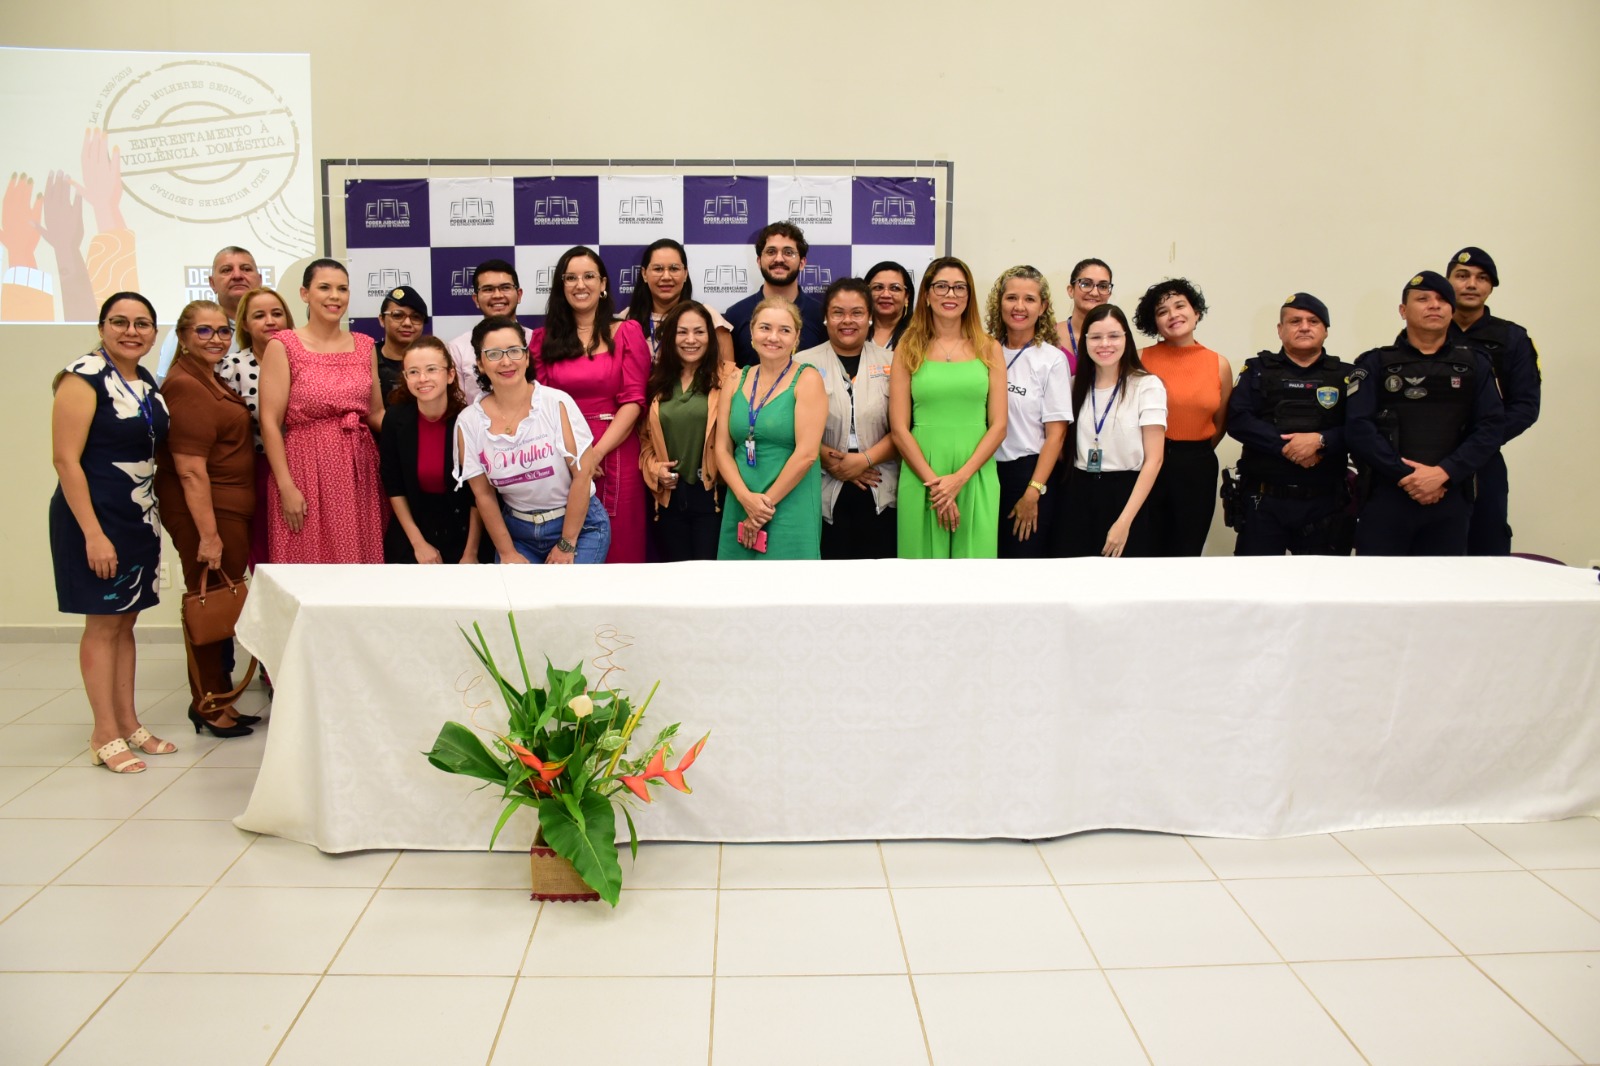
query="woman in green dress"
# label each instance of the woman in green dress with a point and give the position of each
(767, 455)
(947, 414)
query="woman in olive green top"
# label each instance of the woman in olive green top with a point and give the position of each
(677, 453)
(774, 416)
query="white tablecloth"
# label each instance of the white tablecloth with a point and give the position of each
(970, 699)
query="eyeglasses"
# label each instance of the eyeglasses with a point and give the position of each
(137, 325)
(1106, 338)
(660, 270)
(402, 317)
(1090, 285)
(514, 353)
(415, 372)
(894, 287)
(572, 279)
(506, 288)
(780, 253)
(205, 333)
(856, 314)
(949, 288)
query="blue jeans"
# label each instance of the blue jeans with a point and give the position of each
(534, 540)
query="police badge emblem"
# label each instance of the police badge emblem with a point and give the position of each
(1416, 392)
(1328, 397)
(398, 294)
(1393, 383)
(1464, 257)
(1455, 383)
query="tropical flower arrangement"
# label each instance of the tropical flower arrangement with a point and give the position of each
(565, 753)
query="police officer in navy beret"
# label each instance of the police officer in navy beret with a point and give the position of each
(404, 314)
(1287, 410)
(1423, 416)
(1516, 367)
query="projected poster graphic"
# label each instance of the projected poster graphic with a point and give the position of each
(431, 234)
(128, 170)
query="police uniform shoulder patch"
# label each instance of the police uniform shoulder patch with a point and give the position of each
(1328, 397)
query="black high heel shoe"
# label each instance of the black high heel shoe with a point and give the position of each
(245, 719)
(223, 731)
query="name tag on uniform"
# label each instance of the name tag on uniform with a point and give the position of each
(1093, 465)
(877, 371)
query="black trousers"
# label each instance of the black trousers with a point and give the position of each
(1392, 523)
(1490, 531)
(1091, 503)
(858, 531)
(1184, 498)
(1305, 527)
(1014, 477)
(688, 527)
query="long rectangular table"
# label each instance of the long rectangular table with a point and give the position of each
(965, 699)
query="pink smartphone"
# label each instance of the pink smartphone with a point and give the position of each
(761, 538)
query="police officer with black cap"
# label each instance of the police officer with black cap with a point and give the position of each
(1423, 416)
(1287, 410)
(404, 314)
(1516, 367)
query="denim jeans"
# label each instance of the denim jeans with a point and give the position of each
(535, 539)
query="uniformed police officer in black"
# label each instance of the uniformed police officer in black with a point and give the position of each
(1287, 410)
(1516, 367)
(1424, 416)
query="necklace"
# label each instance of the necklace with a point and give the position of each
(946, 356)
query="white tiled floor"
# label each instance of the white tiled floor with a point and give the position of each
(137, 925)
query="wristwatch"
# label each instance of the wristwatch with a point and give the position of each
(1039, 486)
(565, 545)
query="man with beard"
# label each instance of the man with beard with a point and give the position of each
(233, 273)
(781, 256)
(1424, 416)
(1287, 410)
(1516, 367)
(404, 314)
(495, 291)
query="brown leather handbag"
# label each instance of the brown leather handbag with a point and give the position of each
(210, 615)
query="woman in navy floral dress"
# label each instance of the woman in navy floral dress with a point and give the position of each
(105, 536)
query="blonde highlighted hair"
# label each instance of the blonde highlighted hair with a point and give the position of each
(778, 303)
(918, 337)
(241, 328)
(1044, 329)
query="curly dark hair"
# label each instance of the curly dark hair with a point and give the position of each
(1144, 316)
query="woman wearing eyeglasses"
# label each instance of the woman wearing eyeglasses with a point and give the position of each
(889, 285)
(603, 364)
(1090, 287)
(319, 394)
(522, 446)
(106, 423)
(947, 415)
(206, 485)
(404, 316)
(430, 521)
(663, 284)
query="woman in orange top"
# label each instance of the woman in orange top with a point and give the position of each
(1198, 382)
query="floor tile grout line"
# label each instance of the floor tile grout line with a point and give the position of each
(716, 943)
(1094, 956)
(1524, 1007)
(92, 1015)
(516, 978)
(905, 955)
(1595, 914)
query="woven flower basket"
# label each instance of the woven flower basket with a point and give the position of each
(555, 880)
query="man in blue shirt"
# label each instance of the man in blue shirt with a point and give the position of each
(781, 256)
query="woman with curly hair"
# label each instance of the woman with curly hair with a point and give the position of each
(947, 415)
(1038, 408)
(1198, 382)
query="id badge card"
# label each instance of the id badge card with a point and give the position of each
(749, 451)
(1093, 465)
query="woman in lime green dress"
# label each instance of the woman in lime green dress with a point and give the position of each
(947, 414)
(767, 454)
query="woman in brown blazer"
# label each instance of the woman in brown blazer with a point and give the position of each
(206, 487)
(676, 455)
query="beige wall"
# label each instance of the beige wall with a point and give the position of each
(1257, 147)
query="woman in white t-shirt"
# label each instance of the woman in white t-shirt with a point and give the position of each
(1116, 441)
(1038, 408)
(519, 445)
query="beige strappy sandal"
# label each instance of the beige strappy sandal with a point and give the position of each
(143, 736)
(104, 755)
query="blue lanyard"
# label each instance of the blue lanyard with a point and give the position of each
(147, 405)
(1094, 406)
(755, 408)
(1014, 358)
(1072, 338)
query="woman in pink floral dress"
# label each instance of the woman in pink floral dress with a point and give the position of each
(603, 364)
(319, 395)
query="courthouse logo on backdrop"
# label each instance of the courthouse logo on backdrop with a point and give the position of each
(461, 282)
(726, 211)
(381, 282)
(627, 281)
(388, 213)
(811, 211)
(556, 211)
(641, 211)
(544, 279)
(815, 279)
(472, 211)
(725, 279)
(894, 211)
